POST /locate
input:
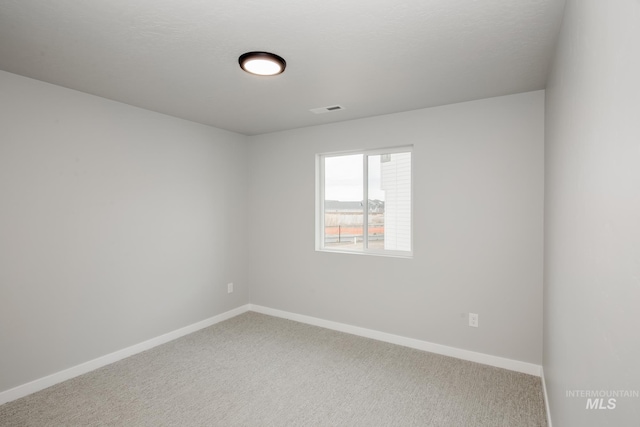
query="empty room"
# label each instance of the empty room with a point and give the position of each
(338, 213)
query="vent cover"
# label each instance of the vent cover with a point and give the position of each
(328, 109)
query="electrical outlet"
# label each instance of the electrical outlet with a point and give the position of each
(473, 320)
(229, 288)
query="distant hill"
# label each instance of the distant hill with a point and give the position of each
(376, 206)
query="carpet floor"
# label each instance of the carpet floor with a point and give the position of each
(258, 370)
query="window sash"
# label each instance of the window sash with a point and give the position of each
(321, 198)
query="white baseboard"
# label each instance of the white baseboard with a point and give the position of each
(485, 359)
(546, 398)
(83, 368)
(67, 374)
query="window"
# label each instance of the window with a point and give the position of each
(364, 202)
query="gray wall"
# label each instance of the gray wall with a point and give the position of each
(119, 224)
(592, 213)
(478, 219)
(116, 225)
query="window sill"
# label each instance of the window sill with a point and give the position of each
(405, 255)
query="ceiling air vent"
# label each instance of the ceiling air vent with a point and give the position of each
(329, 109)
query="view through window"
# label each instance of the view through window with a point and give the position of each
(366, 201)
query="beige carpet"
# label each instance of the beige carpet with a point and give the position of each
(257, 370)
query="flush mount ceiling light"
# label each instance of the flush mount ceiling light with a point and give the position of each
(262, 63)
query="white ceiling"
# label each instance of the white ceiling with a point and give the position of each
(180, 57)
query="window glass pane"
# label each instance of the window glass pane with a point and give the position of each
(376, 203)
(390, 201)
(343, 207)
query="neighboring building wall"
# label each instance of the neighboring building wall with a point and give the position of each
(396, 182)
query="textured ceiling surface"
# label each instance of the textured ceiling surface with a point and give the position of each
(371, 57)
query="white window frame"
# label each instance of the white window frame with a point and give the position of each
(320, 198)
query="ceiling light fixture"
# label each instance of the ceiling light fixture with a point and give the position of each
(262, 63)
